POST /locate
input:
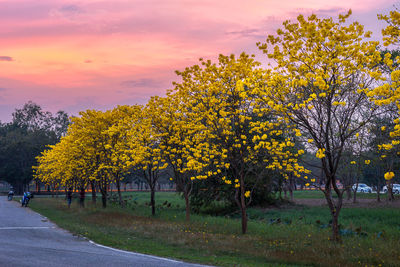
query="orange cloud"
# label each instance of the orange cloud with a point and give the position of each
(64, 53)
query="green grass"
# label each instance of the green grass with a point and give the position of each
(315, 194)
(293, 236)
(308, 194)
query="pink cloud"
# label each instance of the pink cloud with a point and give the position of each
(133, 47)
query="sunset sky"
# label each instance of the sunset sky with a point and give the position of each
(90, 54)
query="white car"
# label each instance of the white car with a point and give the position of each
(362, 188)
(396, 189)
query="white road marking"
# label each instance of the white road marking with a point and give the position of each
(135, 253)
(25, 227)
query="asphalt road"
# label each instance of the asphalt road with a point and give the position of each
(28, 239)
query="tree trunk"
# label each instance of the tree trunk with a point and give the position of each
(335, 226)
(355, 194)
(355, 190)
(104, 198)
(82, 197)
(244, 216)
(243, 205)
(335, 210)
(103, 189)
(348, 192)
(187, 203)
(390, 192)
(152, 201)
(291, 187)
(119, 192)
(93, 186)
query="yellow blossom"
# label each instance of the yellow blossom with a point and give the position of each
(389, 175)
(320, 153)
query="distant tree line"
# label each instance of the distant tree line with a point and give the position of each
(28, 134)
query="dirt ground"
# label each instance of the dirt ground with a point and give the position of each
(361, 202)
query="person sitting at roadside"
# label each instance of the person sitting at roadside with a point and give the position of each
(10, 194)
(25, 198)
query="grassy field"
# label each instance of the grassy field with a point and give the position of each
(290, 236)
(314, 194)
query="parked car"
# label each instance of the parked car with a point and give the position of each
(362, 188)
(396, 189)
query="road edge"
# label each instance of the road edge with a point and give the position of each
(120, 250)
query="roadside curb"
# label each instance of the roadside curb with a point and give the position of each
(82, 237)
(143, 255)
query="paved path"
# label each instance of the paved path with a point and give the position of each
(28, 239)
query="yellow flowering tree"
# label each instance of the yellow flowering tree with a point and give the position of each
(63, 164)
(117, 154)
(144, 142)
(178, 140)
(388, 94)
(97, 150)
(354, 161)
(238, 139)
(324, 69)
(50, 167)
(90, 134)
(385, 147)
